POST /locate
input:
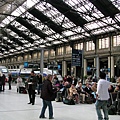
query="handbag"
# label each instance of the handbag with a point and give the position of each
(112, 108)
(69, 101)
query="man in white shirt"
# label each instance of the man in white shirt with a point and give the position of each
(102, 97)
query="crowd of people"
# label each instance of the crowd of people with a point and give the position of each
(70, 88)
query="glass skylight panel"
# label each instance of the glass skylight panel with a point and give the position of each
(42, 46)
(18, 11)
(28, 45)
(2, 24)
(30, 3)
(35, 37)
(20, 27)
(49, 32)
(6, 21)
(51, 14)
(95, 15)
(107, 20)
(58, 19)
(116, 26)
(83, 9)
(10, 18)
(118, 16)
(49, 38)
(25, 50)
(100, 23)
(68, 33)
(99, 31)
(92, 25)
(19, 48)
(70, 2)
(57, 42)
(76, 37)
(57, 36)
(34, 23)
(116, 3)
(68, 24)
(41, 7)
(65, 40)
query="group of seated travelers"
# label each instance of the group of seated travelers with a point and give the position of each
(72, 89)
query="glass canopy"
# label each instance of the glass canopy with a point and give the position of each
(32, 24)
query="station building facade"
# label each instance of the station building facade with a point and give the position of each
(106, 48)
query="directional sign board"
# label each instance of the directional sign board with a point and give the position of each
(76, 57)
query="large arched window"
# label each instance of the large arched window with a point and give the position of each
(103, 43)
(46, 53)
(90, 46)
(79, 46)
(60, 50)
(52, 52)
(116, 40)
(68, 50)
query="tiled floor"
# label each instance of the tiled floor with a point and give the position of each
(13, 106)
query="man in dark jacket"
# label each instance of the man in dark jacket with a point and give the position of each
(9, 81)
(39, 77)
(3, 82)
(47, 95)
(31, 85)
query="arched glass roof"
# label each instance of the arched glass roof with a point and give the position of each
(26, 25)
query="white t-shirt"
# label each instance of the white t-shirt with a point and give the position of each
(102, 89)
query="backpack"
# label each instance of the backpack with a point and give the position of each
(112, 110)
(112, 107)
(69, 101)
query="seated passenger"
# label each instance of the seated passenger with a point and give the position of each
(111, 89)
(81, 92)
(88, 90)
(73, 94)
(118, 80)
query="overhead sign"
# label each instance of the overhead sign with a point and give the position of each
(88, 69)
(76, 57)
(25, 64)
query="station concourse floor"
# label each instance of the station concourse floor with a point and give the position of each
(13, 106)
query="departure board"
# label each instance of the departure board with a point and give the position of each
(76, 57)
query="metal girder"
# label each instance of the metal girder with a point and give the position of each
(7, 43)
(31, 27)
(2, 51)
(11, 37)
(5, 47)
(47, 21)
(6, 3)
(106, 7)
(70, 13)
(20, 33)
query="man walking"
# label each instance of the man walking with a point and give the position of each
(102, 97)
(47, 95)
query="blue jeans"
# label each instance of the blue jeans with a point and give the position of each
(39, 88)
(45, 104)
(102, 104)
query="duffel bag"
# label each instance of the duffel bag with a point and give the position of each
(69, 101)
